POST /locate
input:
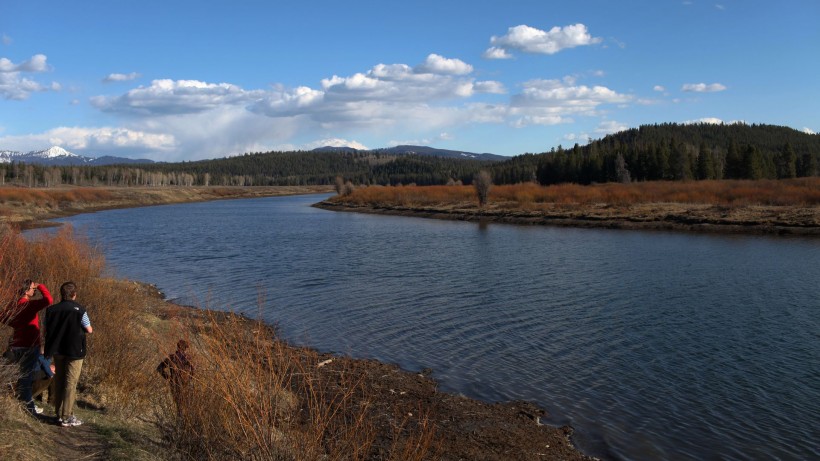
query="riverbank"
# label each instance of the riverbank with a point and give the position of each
(254, 397)
(33, 207)
(613, 206)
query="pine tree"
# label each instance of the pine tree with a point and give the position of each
(786, 162)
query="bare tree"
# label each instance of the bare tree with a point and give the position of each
(482, 183)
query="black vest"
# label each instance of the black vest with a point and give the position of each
(65, 334)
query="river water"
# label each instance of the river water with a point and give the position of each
(652, 345)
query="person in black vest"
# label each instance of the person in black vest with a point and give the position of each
(67, 325)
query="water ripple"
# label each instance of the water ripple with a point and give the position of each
(652, 345)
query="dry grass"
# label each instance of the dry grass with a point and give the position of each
(793, 192)
(253, 396)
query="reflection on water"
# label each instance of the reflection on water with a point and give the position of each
(652, 345)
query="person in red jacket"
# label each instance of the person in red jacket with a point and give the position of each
(24, 345)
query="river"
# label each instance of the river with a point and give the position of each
(652, 345)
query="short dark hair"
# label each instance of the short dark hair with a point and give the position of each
(24, 287)
(68, 290)
(182, 345)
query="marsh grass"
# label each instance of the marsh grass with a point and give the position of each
(729, 193)
(252, 396)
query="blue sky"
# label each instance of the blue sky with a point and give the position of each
(185, 80)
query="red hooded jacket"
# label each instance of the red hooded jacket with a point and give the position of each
(24, 318)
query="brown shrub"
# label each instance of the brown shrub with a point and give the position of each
(786, 192)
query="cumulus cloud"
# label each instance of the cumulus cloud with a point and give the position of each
(91, 140)
(14, 86)
(703, 87)
(175, 97)
(658, 88)
(808, 130)
(207, 120)
(531, 40)
(385, 93)
(550, 102)
(436, 64)
(489, 87)
(610, 126)
(495, 52)
(36, 63)
(121, 77)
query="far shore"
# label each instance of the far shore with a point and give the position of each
(32, 207)
(755, 220)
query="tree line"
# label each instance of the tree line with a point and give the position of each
(651, 152)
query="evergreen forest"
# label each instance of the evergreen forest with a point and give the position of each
(649, 153)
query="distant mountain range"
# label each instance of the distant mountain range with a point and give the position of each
(57, 156)
(421, 150)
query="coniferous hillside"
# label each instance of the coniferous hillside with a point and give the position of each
(651, 152)
(676, 152)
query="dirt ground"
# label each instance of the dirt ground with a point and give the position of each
(466, 429)
(753, 219)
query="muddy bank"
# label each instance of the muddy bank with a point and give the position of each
(465, 429)
(763, 220)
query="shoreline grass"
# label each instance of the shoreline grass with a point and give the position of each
(254, 396)
(784, 207)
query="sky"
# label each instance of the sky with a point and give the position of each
(189, 80)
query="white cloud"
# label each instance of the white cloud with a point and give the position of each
(495, 52)
(489, 86)
(420, 142)
(610, 126)
(550, 102)
(528, 120)
(531, 40)
(93, 140)
(658, 88)
(703, 87)
(207, 120)
(14, 86)
(175, 97)
(36, 63)
(719, 6)
(808, 130)
(121, 77)
(576, 137)
(436, 64)
(6, 40)
(573, 98)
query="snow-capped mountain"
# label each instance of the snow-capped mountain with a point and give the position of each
(57, 156)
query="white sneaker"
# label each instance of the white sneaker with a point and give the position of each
(70, 421)
(38, 410)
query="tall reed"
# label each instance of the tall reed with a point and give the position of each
(253, 396)
(787, 192)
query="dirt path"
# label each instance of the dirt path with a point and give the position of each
(76, 443)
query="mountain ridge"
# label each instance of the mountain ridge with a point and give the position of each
(57, 156)
(407, 149)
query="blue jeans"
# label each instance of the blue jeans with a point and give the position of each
(28, 358)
